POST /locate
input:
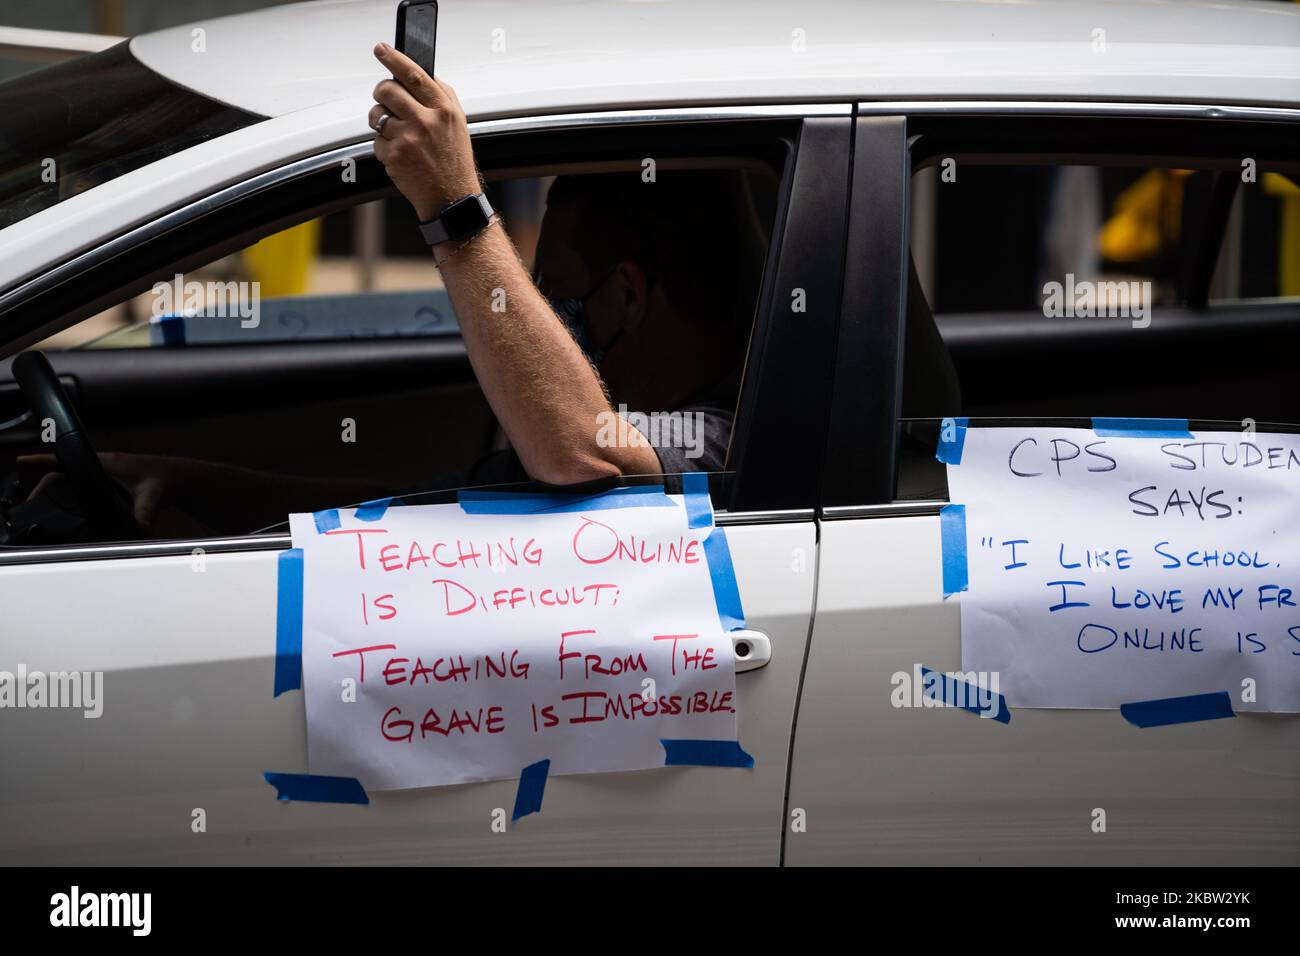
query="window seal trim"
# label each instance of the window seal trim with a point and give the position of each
(237, 544)
(1079, 108)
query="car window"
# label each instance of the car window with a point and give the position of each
(1072, 290)
(360, 273)
(74, 125)
(322, 366)
(988, 238)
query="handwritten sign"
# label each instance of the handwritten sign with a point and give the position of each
(440, 646)
(1105, 569)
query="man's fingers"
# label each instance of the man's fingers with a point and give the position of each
(409, 74)
(41, 462)
(391, 125)
(396, 101)
(147, 500)
(450, 96)
(43, 485)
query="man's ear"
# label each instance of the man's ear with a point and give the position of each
(633, 290)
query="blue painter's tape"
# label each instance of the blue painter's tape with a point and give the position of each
(308, 787)
(532, 785)
(699, 507)
(1141, 427)
(327, 520)
(1178, 710)
(949, 450)
(705, 753)
(952, 535)
(726, 594)
(499, 503)
(172, 328)
(372, 510)
(288, 622)
(963, 695)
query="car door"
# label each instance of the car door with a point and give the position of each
(184, 630)
(878, 783)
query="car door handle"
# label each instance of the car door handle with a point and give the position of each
(752, 648)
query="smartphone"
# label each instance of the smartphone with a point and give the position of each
(417, 29)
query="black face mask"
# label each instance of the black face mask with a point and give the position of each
(571, 313)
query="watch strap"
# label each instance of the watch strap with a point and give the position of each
(437, 230)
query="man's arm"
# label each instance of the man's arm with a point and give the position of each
(544, 392)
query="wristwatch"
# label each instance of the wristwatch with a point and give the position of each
(460, 220)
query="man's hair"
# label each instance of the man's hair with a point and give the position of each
(682, 230)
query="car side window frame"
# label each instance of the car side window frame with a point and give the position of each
(891, 141)
(309, 187)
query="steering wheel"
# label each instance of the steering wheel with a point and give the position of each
(105, 506)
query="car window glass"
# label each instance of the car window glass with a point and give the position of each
(74, 125)
(328, 353)
(1070, 291)
(359, 273)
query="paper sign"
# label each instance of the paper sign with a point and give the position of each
(1108, 570)
(441, 647)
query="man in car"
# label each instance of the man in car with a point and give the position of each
(632, 306)
(635, 261)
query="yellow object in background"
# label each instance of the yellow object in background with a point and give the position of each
(281, 263)
(1148, 214)
(1288, 252)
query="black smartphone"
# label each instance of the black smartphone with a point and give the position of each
(417, 30)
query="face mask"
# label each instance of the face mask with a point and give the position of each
(571, 313)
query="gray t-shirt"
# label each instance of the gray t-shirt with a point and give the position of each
(693, 437)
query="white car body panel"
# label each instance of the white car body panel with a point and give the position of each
(189, 722)
(938, 786)
(712, 51)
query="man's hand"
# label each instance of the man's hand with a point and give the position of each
(544, 392)
(174, 496)
(424, 145)
(151, 480)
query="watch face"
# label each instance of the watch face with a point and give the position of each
(463, 217)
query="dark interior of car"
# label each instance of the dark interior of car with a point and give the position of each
(416, 411)
(1221, 365)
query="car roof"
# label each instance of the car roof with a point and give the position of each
(525, 57)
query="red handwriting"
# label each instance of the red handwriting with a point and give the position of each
(549, 719)
(458, 599)
(483, 720)
(386, 609)
(598, 706)
(447, 554)
(361, 653)
(452, 668)
(359, 532)
(596, 542)
(691, 660)
(595, 664)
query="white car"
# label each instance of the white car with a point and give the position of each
(839, 122)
